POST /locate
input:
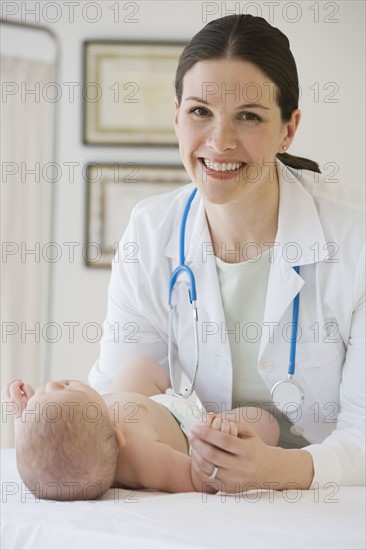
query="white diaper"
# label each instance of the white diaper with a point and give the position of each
(188, 411)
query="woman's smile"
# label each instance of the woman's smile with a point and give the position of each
(221, 170)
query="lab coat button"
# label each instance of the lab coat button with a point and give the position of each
(266, 365)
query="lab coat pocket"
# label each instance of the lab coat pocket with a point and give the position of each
(320, 365)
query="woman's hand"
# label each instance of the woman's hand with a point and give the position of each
(240, 456)
(200, 482)
(16, 394)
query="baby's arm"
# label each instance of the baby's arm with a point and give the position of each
(162, 468)
(141, 375)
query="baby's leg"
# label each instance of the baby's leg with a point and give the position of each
(141, 375)
(260, 420)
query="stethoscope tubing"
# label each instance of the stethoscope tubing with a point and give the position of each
(295, 319)
(184, 268)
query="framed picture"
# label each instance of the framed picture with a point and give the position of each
(112, 191)
(128, 92)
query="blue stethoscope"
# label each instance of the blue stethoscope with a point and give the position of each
(286, 393)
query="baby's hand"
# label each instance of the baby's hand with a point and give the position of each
(16, 394)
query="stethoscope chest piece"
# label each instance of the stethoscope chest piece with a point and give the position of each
(287, 395)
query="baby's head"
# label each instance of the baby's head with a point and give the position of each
(66, 444)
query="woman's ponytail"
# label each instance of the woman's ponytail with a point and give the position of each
(299, 163)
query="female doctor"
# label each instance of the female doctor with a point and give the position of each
(272, 249)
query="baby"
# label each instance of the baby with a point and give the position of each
(74, 444)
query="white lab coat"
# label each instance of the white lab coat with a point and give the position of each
(321, 229)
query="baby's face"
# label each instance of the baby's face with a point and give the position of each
(66, 392)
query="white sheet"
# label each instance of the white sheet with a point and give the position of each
(144, 519)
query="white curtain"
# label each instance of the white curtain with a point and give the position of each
(26, 145)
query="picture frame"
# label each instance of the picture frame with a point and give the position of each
(113, 189)
(128, 92)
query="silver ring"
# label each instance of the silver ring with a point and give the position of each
(214, 473)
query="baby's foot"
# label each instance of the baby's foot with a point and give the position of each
(226, 426)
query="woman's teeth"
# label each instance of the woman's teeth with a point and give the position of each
(218, 167)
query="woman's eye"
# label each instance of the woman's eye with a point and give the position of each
(199, 111)
(250, 117)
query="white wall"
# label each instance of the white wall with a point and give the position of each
(328, 51)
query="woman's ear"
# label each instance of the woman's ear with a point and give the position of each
(291, 127)
(176, 116)
(294, 121)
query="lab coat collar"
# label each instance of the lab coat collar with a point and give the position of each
(197, 232)
(299, 241)
(300, 235)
